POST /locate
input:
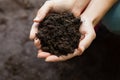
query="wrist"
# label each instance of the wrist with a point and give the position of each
(79, 6)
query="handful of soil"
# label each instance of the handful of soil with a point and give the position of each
(59, 33)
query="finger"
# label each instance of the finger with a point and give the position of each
(76, 11)
(77, 52)
(34, 30)
(82, 37)
(88, 35)
(42, 54)
(54, 58)
(64, 58)
(43, 11)
(37, 43)
(86, 41)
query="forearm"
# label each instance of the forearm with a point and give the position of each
(96, 10)
(74, 6)
(79, 6)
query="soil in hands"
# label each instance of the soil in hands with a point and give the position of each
(59, 33)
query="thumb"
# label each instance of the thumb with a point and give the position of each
(34, 30)
(88, 35)
(43, 11)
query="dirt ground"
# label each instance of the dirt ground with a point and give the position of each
(18, 61)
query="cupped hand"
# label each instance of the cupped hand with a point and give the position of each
(88, 35)
(86, 29)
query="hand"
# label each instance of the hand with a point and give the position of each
(74, 6)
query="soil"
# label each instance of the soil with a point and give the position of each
(18, 55)
(59, 33)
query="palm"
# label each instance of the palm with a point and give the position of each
(88, 35)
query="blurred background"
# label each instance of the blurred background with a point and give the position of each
(18, 56)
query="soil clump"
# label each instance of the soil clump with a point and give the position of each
(59, 33)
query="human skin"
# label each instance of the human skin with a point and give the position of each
(74, 6)
(92, 14)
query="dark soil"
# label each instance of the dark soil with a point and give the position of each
(59, 33)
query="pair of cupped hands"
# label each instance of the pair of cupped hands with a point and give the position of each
(86, 29)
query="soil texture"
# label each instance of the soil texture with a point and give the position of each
(59, 33)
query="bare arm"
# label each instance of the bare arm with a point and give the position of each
(96, 10)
